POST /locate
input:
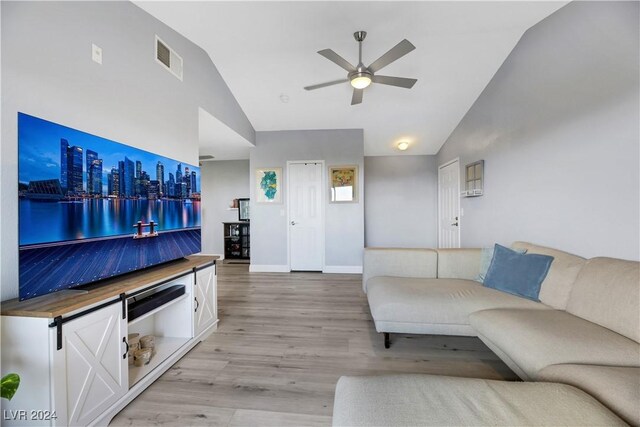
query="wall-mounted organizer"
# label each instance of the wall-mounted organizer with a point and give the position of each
(474, 179)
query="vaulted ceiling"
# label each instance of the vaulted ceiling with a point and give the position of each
(266, 52)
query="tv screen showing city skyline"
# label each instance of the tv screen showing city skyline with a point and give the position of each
(83, 196)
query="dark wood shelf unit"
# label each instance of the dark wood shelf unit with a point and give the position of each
(237, 241)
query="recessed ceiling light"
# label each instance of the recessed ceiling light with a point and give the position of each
(403, 145)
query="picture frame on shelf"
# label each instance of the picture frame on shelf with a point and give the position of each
(269, 185)
(243, 209)
(343, 184)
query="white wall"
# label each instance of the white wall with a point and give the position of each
(47, 72)
(222, 181)
(344, 229)
(558, 128)
(400, 201)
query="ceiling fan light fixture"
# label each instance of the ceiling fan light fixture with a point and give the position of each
(360, 80)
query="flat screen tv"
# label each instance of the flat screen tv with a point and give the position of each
(91, 208)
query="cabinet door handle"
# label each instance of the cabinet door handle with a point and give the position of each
(197, 303)
(124, 340)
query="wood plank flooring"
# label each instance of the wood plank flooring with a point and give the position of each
(282, 343)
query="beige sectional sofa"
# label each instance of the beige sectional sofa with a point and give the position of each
(584, 332)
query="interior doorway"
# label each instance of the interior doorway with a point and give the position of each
(305, 215)
(449, 204)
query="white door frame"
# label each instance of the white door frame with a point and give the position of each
(323, 198)
(450, 162)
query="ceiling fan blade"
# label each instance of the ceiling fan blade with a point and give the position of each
(318, 86)
(337, 59)
(357, 96)
(396, 52)
(395, 81)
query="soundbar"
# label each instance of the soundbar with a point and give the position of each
(139, 307)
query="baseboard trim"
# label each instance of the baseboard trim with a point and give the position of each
(253, 268)
(342, 269)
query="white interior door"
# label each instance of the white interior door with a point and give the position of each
(306, 222)
(449, 205)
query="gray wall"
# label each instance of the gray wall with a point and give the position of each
(47, 71)
(222, 181)
(400, 201)
(558, 129)
(344, 229)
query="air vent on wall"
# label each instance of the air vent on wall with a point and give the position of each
(168, 58)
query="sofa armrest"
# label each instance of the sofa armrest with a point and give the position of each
(399, 262)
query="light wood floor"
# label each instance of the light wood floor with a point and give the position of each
(282, 343)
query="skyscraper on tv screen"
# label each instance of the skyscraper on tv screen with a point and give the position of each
(91, 156)
(74, 170)
(64, 153)
(71, 179)
(128, 178)
(95, 177)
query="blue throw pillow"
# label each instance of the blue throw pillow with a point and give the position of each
(516, 273)
(486, 256)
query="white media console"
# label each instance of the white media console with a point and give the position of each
(71, 350)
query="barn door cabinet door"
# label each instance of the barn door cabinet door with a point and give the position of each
(205, 304)
(90, 372)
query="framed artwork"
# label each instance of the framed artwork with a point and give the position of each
(269, 185)
(343, 183)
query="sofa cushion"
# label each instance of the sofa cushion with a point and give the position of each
(516, 273)
(556, 287)
(399, 262)
(459, 263)
(607, 292)
(618, 388)
(535, 339)
(428, 400)
(435, 301)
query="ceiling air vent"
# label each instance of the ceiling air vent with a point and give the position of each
(168, 58)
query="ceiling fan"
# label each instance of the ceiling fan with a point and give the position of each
(360, 76)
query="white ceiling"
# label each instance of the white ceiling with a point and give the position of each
(265, 49)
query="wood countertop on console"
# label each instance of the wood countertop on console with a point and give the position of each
(60, 303)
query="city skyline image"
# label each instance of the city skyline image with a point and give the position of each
(89, 165)
(80, 200)
(75, 186)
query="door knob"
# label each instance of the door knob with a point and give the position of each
(455, 223)
(293, 223)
